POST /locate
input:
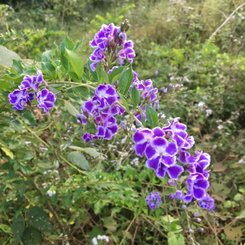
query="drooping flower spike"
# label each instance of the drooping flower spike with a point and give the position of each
(166, 151)
(111, 43)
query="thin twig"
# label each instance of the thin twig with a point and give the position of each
(130, 224)
(192, 237)
(227, 19)
(152, 224)
(214, 231)
(135, 232)
(31, 131)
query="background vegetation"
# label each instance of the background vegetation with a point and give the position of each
(101, 189)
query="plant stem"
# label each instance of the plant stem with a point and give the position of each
(130, 224)
(31, 131)
(227, 19)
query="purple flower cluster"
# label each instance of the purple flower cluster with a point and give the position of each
(159, 151)
(148, 95)
(19, 98)
(164, 147)
(147, 92)
(101, 110)
(154, 200)
(197, 181)
(111, 40)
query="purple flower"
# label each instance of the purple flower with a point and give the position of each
(177, 131)
(19, 98)
(166, 152)
(127, 52)
(113, 41)
(147, 91)
(177, 195)
(142, 138)
(45, 99)
(197, 186)
(32, 82)
(26, 93)
(154, 200)
(102, 109)
(160, 153)
(207, 203)
(197, 163)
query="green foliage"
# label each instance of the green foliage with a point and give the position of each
(98, 189)
(125, 81)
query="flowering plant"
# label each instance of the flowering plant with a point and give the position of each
(114, 100)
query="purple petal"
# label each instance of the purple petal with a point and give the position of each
(198, 193)
(150, 151)
(202, 184)
(140, 149)
(158, 132)
(138, 136)
(44, 92)
(153, 163)
(88, 105)
(168, 160)
(171, 149)
(175, 171)
(159, 142)
(161, 171)
(187, 198)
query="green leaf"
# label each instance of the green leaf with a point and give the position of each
(116, 74)
(124, 102)
(102, 76)
(18, 66)
(89, 150)
(151, 116)
(175, 239)
(38, 219)
(70, 108)
(75, 61)
(18, 227)
(66, 44)
(90, 128)
(125, 81)
(6, 150)
(110, 224)
(5, 85)
(241, 215)
(172, 239)
(5, 228)
(135, 96)
(32, 236)
(78, 159)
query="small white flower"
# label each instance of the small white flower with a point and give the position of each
(208, 112)
(242, 160)
(123, 141)
(135, 161)
(100, 237)
(201, 104)
(50, 193)
(94, 241)
(220, 127)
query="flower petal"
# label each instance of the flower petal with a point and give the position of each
(175, 171)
